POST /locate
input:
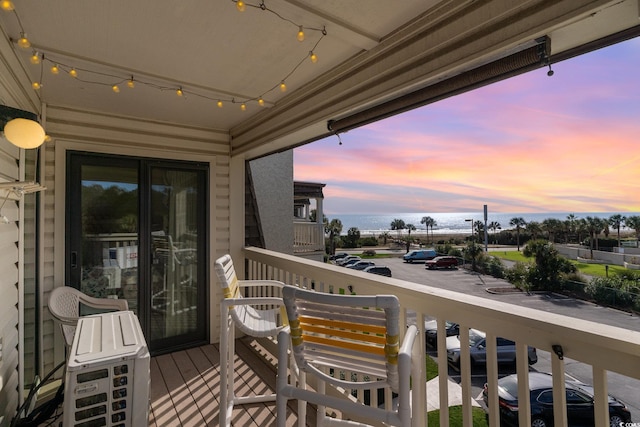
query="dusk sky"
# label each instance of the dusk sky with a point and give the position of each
(533, 143)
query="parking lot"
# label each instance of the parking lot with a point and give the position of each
(462, 280)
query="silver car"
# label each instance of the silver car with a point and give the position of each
(506, 349)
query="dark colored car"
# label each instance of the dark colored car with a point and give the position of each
(351, 262)
(431, 330)
(419, 255)
(338, 256)
(361, 265)
(506, 349)
(579, 402)
(441, 262)
(378, 269)
(342, 261)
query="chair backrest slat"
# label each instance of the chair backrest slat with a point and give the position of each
(344, 332)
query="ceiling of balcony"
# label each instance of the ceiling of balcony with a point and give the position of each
(206, 47)
(213, 52)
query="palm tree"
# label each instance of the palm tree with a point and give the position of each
(429, 223)
(494, 225)
(479, 227)
(410, 228)
(398, 224)
(552, 226)
(570, 225)
(634, 223)
(384, 236)
(594, 226)
(534, 228)
(518, 223)
(616, 221)
(333, 229)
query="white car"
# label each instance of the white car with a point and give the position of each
(506, 349)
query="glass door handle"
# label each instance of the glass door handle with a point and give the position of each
(74, 259)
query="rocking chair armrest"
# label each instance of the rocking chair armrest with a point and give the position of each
(409, 340)
(254, 283)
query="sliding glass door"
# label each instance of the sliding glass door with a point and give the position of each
(137, 230)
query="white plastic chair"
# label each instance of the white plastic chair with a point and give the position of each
(64, 305)
(258, 317)
(336, 338)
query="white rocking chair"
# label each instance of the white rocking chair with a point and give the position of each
(336, 338)
(255, 316)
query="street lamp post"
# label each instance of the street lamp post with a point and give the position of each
(471, 221)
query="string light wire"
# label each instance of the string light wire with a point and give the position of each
(118, 80)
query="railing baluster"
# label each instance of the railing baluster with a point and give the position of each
(601, 401)
(559, 391)
(492, 379)
(522, 369)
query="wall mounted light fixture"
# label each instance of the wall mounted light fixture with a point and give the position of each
(21, 127)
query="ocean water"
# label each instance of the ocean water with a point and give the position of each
(450, 223)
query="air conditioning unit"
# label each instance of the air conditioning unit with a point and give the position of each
(107, 377)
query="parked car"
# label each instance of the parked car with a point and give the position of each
(431, 330)
(378, 269)
(338, 256)
(351, 261)
(361, 265)
(419, 255)
(346, 259)
(506, 349)
(579, 402)
(441, 262)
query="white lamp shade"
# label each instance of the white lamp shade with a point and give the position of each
(24, 133)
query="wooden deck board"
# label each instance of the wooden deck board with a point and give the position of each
(185, 388)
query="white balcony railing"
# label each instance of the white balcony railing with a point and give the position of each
(307, 237)
(603, 347)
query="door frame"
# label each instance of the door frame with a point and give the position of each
(59, 217)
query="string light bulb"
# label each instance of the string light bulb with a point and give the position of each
(283, 86)
(243, 107)
(23, 41)
(241, 6)
(73, 73)
(179, 91)
(261, 102)
(35, 58)
(36, 85)
(313, 57)
(115, 89)
(300, 34)
(130, 83)
(7, 5)
(220, 104)
(55, 69)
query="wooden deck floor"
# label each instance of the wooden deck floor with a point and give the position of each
(185, 388)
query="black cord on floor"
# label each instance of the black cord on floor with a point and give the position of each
(42, 413)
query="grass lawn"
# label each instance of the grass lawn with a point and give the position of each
(515, 256)
(599, 270)
(455, 417)
(432, 368)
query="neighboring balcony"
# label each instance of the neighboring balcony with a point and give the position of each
(308, 237)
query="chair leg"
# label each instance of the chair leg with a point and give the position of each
(226, 369)
(281, 380)
(302, 405)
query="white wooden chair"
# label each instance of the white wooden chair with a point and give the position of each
(64, 305)
(350, 342)
(257, 316)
